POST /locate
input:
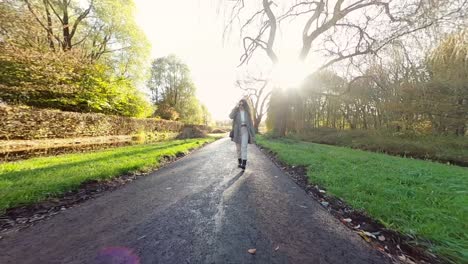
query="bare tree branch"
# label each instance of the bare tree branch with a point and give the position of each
(46, 28)
(272, 35)
(250, 85)
(80, 18)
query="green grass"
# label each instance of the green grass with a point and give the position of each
(33, 180)
(426, 200)
(441, 148)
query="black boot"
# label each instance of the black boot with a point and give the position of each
(244, 164)
(240, 163)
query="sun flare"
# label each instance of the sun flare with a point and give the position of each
(289, 74)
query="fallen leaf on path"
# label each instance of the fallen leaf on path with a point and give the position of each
(252, 251)
(168, 188)
(381, 238)
(276, 249)
(347, 220)
(324, 204)
(322, 191)
(364, 236)
(369, 234)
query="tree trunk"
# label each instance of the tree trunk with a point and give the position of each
(280, 102)
(66, 27)
(50, 35)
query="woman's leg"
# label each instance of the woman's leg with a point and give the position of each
(239, 159)
(244, 143)
(238, 148)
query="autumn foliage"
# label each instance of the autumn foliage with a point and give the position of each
(75, 70)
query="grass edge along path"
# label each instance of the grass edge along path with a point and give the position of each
(33, 180)
(423, 199)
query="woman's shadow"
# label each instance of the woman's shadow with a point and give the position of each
(234, 179)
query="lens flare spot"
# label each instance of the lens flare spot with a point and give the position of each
(117, 255)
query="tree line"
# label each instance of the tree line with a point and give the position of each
(396, 94)
(398, 65)
(89, 56)
(173, 92)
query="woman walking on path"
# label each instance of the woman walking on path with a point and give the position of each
(242, 132)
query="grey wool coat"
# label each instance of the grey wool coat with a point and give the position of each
(236, 126)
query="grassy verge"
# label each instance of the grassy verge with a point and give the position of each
(33, 180)
(438, 148)
(423, 199)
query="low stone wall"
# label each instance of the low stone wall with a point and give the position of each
(25, 123)
(27, 132)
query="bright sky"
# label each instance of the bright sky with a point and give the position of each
(192, 30)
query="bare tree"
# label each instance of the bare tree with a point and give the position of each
(257, 90)
(342, 29)
(338, 30)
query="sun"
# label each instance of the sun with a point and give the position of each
(289, 74)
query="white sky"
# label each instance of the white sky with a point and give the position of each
(192, 30)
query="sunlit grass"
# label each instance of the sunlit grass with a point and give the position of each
(426, 200)
(33, 180)
(451, 149)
